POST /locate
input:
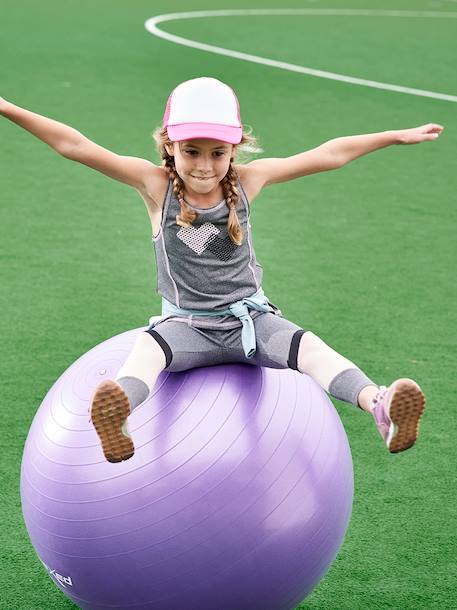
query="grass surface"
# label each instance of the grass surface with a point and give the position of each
(364, 256)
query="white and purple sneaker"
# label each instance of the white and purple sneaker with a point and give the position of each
(397, 411)
(109, 410)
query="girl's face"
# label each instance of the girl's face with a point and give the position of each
(202, 163)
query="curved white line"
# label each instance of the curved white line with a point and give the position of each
(152, 23)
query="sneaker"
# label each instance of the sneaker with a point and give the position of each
(397, 411)
(109, 411)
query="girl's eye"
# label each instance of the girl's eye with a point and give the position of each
(194, 152)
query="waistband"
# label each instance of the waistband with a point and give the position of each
(239, 309)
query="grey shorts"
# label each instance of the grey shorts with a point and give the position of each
(187, 347)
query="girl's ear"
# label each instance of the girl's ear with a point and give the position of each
(169, 150)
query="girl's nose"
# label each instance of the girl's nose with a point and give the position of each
(204, 166)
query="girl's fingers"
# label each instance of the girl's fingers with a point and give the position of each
(434, 128)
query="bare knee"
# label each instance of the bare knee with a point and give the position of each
(319, 360)
(152, 337)
(146, 360)
(310, 345)
(151, 348)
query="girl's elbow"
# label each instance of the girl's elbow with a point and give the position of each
(67, 150)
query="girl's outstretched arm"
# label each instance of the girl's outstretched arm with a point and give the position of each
(348, 148)
(333, 154)
(73, 145)
(58, 136)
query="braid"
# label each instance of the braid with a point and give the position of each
(231, 195)
(187, 215)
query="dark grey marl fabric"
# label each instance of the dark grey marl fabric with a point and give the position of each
(191, 347)
(136, 389)
(347, 385)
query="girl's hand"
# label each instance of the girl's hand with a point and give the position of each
(425, 133)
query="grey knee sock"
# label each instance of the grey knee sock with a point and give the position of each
(136, 390)
(347, 385)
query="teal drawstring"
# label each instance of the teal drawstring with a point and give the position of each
(239, 309)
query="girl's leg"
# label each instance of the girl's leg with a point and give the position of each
(139, 372)
(336, 374)
(113, 400)
(397, 410)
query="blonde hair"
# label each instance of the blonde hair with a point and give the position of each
(187, 215)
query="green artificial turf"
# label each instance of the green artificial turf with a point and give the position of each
(364, 256)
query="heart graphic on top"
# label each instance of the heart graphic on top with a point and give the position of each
(197, 239)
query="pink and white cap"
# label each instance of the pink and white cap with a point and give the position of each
(203, 108)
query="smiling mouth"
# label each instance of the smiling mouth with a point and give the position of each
(202, 177)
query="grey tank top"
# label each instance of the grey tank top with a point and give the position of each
(200, 267)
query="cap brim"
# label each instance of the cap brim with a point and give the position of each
(191, 131)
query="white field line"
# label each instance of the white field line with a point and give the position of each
(152, 26)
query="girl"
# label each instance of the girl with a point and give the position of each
(213, 306)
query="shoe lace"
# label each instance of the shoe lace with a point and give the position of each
(377, 399)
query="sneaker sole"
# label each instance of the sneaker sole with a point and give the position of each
(109, 410)
(406, 408)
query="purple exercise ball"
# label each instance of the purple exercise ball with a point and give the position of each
(238, 496)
